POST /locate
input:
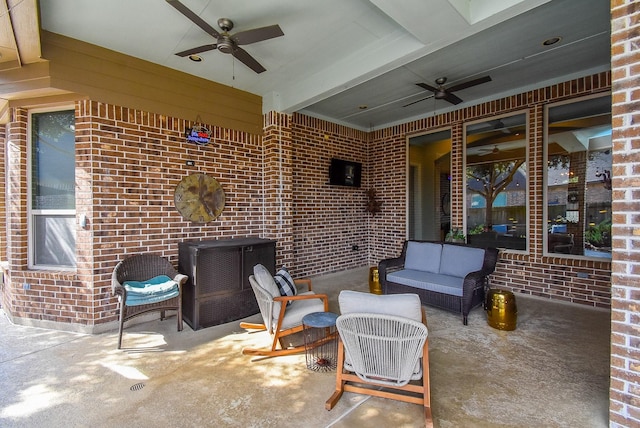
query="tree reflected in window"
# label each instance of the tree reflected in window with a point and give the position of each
(496, 174)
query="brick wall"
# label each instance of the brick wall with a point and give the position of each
(128, 164)
(327, 220)
(3, 200)
(277, 189)
(578, 281)
(625, 305)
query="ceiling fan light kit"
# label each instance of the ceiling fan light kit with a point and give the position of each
(225, 42)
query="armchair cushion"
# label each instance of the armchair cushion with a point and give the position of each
(154, 290)
(403, 305)
(265, 280)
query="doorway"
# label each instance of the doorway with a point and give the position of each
(429, 186)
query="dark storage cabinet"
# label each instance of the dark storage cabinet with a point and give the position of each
(218, 290)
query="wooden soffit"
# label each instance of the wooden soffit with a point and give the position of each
(72, 69)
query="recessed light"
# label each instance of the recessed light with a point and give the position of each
(195, 58)
(551, 41)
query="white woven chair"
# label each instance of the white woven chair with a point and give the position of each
(279, 318)
(383, 349)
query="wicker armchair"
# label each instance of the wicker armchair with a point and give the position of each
(383, 349)
(141, 271)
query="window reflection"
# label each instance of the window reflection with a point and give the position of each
(579, 164)
(496, 174)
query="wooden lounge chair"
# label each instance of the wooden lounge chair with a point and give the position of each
(281, 319)
(383, 349)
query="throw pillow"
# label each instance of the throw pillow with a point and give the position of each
(285, 283)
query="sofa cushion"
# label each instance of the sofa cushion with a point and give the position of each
(424, 256)
(404, 305)
(458, 260)
(446, 284)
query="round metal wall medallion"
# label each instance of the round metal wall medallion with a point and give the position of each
(199, 198)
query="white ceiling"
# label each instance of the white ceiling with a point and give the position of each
(338, 55)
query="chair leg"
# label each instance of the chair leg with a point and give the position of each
(428, 418)
(262, 352)
(337, 394)
(121, 325)
(252, 326)
(335, 397)
(426, 385)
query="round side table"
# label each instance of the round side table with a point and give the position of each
(320, 340)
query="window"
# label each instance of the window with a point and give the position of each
(578, 178)
(496, 176)
(52, 202)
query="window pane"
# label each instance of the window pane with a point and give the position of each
(53, 160)
(55, 240)
(579, 178)
(496, 201)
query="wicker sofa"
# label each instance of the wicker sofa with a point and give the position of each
(445, 275)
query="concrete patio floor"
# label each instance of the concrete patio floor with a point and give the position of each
(552, 371)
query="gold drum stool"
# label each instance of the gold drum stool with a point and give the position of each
(502, 312)
(374, 281)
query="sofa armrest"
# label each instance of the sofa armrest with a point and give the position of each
(387, 266)
(490, 261)
(472, 281)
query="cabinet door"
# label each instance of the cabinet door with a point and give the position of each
(217, 271)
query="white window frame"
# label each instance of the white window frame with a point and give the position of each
(31, 212)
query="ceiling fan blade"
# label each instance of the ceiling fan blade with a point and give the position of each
(415, 102)
(451, 98)
(427, 87)
(194, 18)
(248, 60)
(199, 49)
(469, 84)
(257, 35)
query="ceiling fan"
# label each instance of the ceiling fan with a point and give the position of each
(483, 151)
(442, 93)
(225, 42)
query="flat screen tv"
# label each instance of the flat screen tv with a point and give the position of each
(345, 173)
